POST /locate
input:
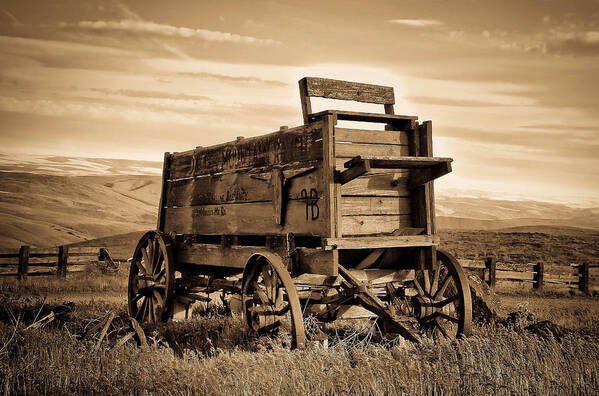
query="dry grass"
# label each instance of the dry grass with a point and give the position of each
(220, 357)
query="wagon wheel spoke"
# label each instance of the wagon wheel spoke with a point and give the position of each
(150, 253)
(419, 287)
(160, 276)
(140, 267)
(268, 282)
(158, 297)
(442, 330)
(136, 298)
(141, 311)
(442, 303)
(279, 300)
(260, 293)
(443, 287)
(146, 260)
(427, 281)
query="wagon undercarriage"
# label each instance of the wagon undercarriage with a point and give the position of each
(316, 221)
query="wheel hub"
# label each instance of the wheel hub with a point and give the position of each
(423, 307)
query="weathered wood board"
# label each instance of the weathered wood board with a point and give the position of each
(371, 136)
(303, 217)
(345, 90)
(292, 145)
(243, 187)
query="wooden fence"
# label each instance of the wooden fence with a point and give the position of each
(53, 261)
(583, 277)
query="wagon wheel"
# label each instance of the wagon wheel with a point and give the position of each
(270, 300)
(442, 306)
(151, 279)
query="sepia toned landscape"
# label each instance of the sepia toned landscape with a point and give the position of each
(250, 198)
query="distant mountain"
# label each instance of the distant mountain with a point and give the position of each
(469, 212)
(53, 200)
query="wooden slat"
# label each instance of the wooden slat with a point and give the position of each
(346, 90)
(84, 250)
(504, 274)
(381, 242)
(402, 122)
(238, 188)
(215, 255)
(43, 254)
(392, 184)
(363, 225)
(371, 136)
(350, 150)
(9, 255)
(375, 205)
(400, 162)
(299, 144)
(247, 219)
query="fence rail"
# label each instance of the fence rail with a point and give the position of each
(62, 259)
(584, 277)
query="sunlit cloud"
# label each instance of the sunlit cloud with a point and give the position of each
(416, 22)
(157, 29)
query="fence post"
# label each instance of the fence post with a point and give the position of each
(538, 278)
(61, 263)
(23, 262)
(583, 284)
(491, 266)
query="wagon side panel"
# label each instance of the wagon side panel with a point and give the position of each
(272, 184)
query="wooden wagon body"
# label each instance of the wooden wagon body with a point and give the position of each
(332, 207)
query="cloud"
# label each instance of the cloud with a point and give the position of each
(132, 93)
(236, 79)
(416, 22)
(452, 102)
(150, 28)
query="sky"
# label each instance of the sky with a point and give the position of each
(511, 86)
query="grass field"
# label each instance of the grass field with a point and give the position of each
(218, 356)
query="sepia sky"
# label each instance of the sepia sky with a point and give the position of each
(512, 87)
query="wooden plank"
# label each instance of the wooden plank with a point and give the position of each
(166, 166)
(390, 184)
(399, 162)
(351, 150)
(346, 90)
(400, 122)
(38, 254)
(240, 187)
(362, 225)
(9, 255)
(318, 261)
(351, 173)
(505, 274)
(371, 136)
(418, 177)
(83, 250)
(380, 242)
(305, 217)
(369, 205)
(331, 208)
(215, 255)
(305, 100)
(299, 144)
